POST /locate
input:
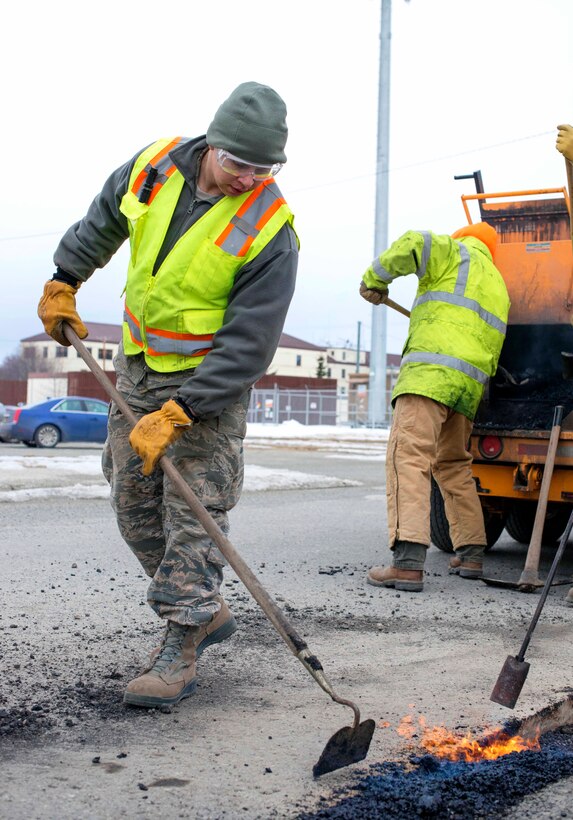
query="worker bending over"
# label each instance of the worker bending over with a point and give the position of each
(457, 329)
(210, 279)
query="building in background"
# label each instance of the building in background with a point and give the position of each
(304, 381)
(342, 361)
(358, 392)
(46, 355)
(295, 357)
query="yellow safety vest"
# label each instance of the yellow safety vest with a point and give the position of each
(458, 319)
(171, 316)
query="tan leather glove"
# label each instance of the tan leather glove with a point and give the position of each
(153, 433)
(564, 142)
(373, 295)
(57, 305)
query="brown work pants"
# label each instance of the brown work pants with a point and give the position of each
(427, 438)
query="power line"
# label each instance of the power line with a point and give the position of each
(425, 161)
(30, 236)
(349, 179)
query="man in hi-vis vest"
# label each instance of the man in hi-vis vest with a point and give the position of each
(457, 329)
(210, 279)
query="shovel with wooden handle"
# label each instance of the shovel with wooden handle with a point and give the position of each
(529, 580)
(349, 744)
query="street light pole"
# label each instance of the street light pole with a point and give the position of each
(377, 404)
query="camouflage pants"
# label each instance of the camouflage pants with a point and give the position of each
(185, 566)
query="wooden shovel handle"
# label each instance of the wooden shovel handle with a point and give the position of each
(530, 570)
(398, 308)
(569, 170)
(282, 625)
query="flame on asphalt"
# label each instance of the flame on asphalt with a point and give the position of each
(450, 745)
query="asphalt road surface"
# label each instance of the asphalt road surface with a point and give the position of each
(74, 628)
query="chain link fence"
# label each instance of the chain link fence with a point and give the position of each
(275, 406)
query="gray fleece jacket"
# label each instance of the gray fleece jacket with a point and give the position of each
(258, 303)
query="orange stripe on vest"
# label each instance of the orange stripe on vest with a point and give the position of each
(152, 162)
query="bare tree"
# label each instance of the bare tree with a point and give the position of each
(25, 360)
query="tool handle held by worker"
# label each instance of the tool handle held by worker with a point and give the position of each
(290, 636)
(398, 308)
(288, 633)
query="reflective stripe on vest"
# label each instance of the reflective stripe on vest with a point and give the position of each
(447, 361)
(463, 270)
(164, 342)
(462, 301)
(250, 219)
(420, 271)
(457, 297)
(157, 171)
(173, 317)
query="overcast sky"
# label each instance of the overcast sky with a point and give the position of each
(474, 85)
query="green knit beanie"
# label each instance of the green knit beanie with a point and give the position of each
(251, 124)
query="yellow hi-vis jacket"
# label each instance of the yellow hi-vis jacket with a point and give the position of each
(171, 316)
(458, 320)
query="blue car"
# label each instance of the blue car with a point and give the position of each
(71, 418)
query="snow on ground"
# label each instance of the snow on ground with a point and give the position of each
(345, 442)
(90, 465)
(74, 492)
(341, 442)
(294, 429)
(256, 479)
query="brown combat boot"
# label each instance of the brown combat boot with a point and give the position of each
(408, 580)
(468, 562)
(466, 569)
(171, 675)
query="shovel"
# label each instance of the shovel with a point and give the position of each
(349, 744)
(514, 671)
(529, 580)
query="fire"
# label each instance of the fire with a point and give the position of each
(444, 743)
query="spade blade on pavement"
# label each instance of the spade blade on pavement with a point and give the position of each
(346, 746)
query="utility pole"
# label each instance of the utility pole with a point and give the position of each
(358, 348)
(377, 404)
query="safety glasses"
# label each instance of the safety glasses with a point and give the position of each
(239, 168)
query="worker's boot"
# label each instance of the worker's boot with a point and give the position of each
(171, 675)
(407, 570)
(468, 562)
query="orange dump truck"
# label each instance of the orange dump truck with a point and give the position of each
(535, 375)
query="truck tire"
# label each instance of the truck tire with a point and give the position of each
(494, 521)
(521, 518)
(439, 526)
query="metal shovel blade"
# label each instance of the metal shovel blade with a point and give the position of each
(510, 682)
(349, 745)
(522, 587)
(532, 586)
(500, 582)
